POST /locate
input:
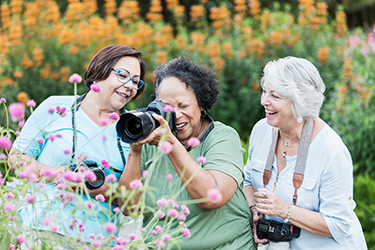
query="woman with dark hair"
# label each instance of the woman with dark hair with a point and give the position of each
(80, 128)
(192, 90)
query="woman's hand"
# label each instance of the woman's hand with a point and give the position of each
(270, 204)
(256, 217)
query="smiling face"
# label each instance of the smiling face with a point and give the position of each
(278, 108)
(114, 95)
(188, 113)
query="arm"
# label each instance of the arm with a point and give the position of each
(203, 179)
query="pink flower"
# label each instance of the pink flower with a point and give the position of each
(105, 164)
(201, 159)
(91, 236)
(145, 173)
(30, 198)
(68, 197)
(12, 247)
(54, 228)
(75, 78)
(51, 110)
(165, 237)
(51, 137)
(3, 156)
(96, 243)
(67, 151)
(121, 241)
(9, 195)
(113, 116)
(104, 122)
(116, 209)
(40, 141)
(132, 236)
(61, 111)
(5, 143)
(172, 212)
(31, 103)
(48, 220)
(186, 232)
(185, 209)
(110, 227)
(159, 214)
(2, 99)
(159, 244)
(181, 217)
(100, 197)
(214, 195)
(20, 239)
(136, 184)
(90, 175)
(162, 202)
(165, 147)
(17, 111)
(158, 228)
(169, 176)
(111, 177)
(154, 232)
(193, 142)
(95, 87)
(89, 205)
(49, 173)
(21, 123)
(168, 108)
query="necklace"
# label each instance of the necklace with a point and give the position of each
(286, 144)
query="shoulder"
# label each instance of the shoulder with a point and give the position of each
(330, 140)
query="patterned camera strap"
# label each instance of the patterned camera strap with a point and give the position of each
(75, 106)
(301, 157)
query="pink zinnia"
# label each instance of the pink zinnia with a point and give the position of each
(162, 202)
(31, 103)
(104, 122)
(12, 247)
(121, 241)
(116, 209)
(21, 123)
(20, 239)
(100, 197)
(51, 110)
(75, 78)
(9, 195)
(214, 195)
(168, 108)
(110, 227)
(40, 140)
(181, 217)
(113, 116)
(91, 236)
(145, 173)
(158, 228)
(90, 175)
(51, 137)
(169, 176)
(136, 184)
(193, 142)
(5, 143)
(105, 164)
(186, 232)
(2, 99)
(201, 159)
(132, 236)
(165, 147)
(165, 237)
(47, 221)
(185, 209)
(67, 151)
(95, 87)
(159, 244)
(30, 198)
(111, 177)
(159, 214)
(17, 111)
(172, 212)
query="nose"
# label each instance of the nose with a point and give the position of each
(178, 112)
(264, 101)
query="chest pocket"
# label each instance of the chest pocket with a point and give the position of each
(308, 196)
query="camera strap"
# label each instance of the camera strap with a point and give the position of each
(301, 157)
(74, 108)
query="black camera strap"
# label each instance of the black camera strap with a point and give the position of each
(301, 157)
(74, 108)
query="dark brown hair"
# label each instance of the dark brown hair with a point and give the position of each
(102, 63)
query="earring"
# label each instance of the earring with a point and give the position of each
(203, 113)
(299, 119)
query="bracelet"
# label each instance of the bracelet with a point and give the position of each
(252, 206)
(288, 216)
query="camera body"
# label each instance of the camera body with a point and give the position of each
(277, 231)
(134, 126)
(100, 175)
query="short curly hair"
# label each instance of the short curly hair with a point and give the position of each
(200, 79)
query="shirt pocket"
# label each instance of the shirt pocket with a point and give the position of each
(257, 169)
(307, 194)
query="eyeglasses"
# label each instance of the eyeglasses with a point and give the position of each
(124, 78)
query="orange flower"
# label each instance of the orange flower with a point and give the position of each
(255, 9)
(196, 12)
(341, 27)
(228, 51)
(23, 97)
(161, 57)
(323, 55)
(38, 56)
(18, 74)
(73, 50)
(255, 87)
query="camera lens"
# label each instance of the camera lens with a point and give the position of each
(133, 127)
(100, 178)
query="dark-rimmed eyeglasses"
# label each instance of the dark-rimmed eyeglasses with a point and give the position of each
(124, 78)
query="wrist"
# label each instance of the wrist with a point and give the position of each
(287, 217)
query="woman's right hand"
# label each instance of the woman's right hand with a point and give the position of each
(256, 217)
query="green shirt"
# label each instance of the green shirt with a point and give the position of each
(225, 228)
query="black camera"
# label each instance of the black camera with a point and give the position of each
(277, 231)
(132, 127)
(100, 176)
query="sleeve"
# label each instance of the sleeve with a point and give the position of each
(247, 168)
(336, 191)
(224, 153)
(33, 130)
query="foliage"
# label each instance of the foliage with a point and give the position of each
(364, 195)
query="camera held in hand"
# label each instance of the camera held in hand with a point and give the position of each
(277, 231)
(134, 126)
(100, 175)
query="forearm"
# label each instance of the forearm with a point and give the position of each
(201, 180)
(249, 194)
(310, 221)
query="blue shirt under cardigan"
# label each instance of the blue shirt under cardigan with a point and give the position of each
(95, 142)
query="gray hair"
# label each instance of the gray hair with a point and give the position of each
(299, 81)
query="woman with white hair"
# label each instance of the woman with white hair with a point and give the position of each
(299, 182)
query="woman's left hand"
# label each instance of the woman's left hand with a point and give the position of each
(270, 204)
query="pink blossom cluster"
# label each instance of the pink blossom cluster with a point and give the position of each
(5, 143)
(61, 111)
(165, 147)
(95, 87)
(75, 78)
(113, 116)
(17, 111)
(136, 184)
